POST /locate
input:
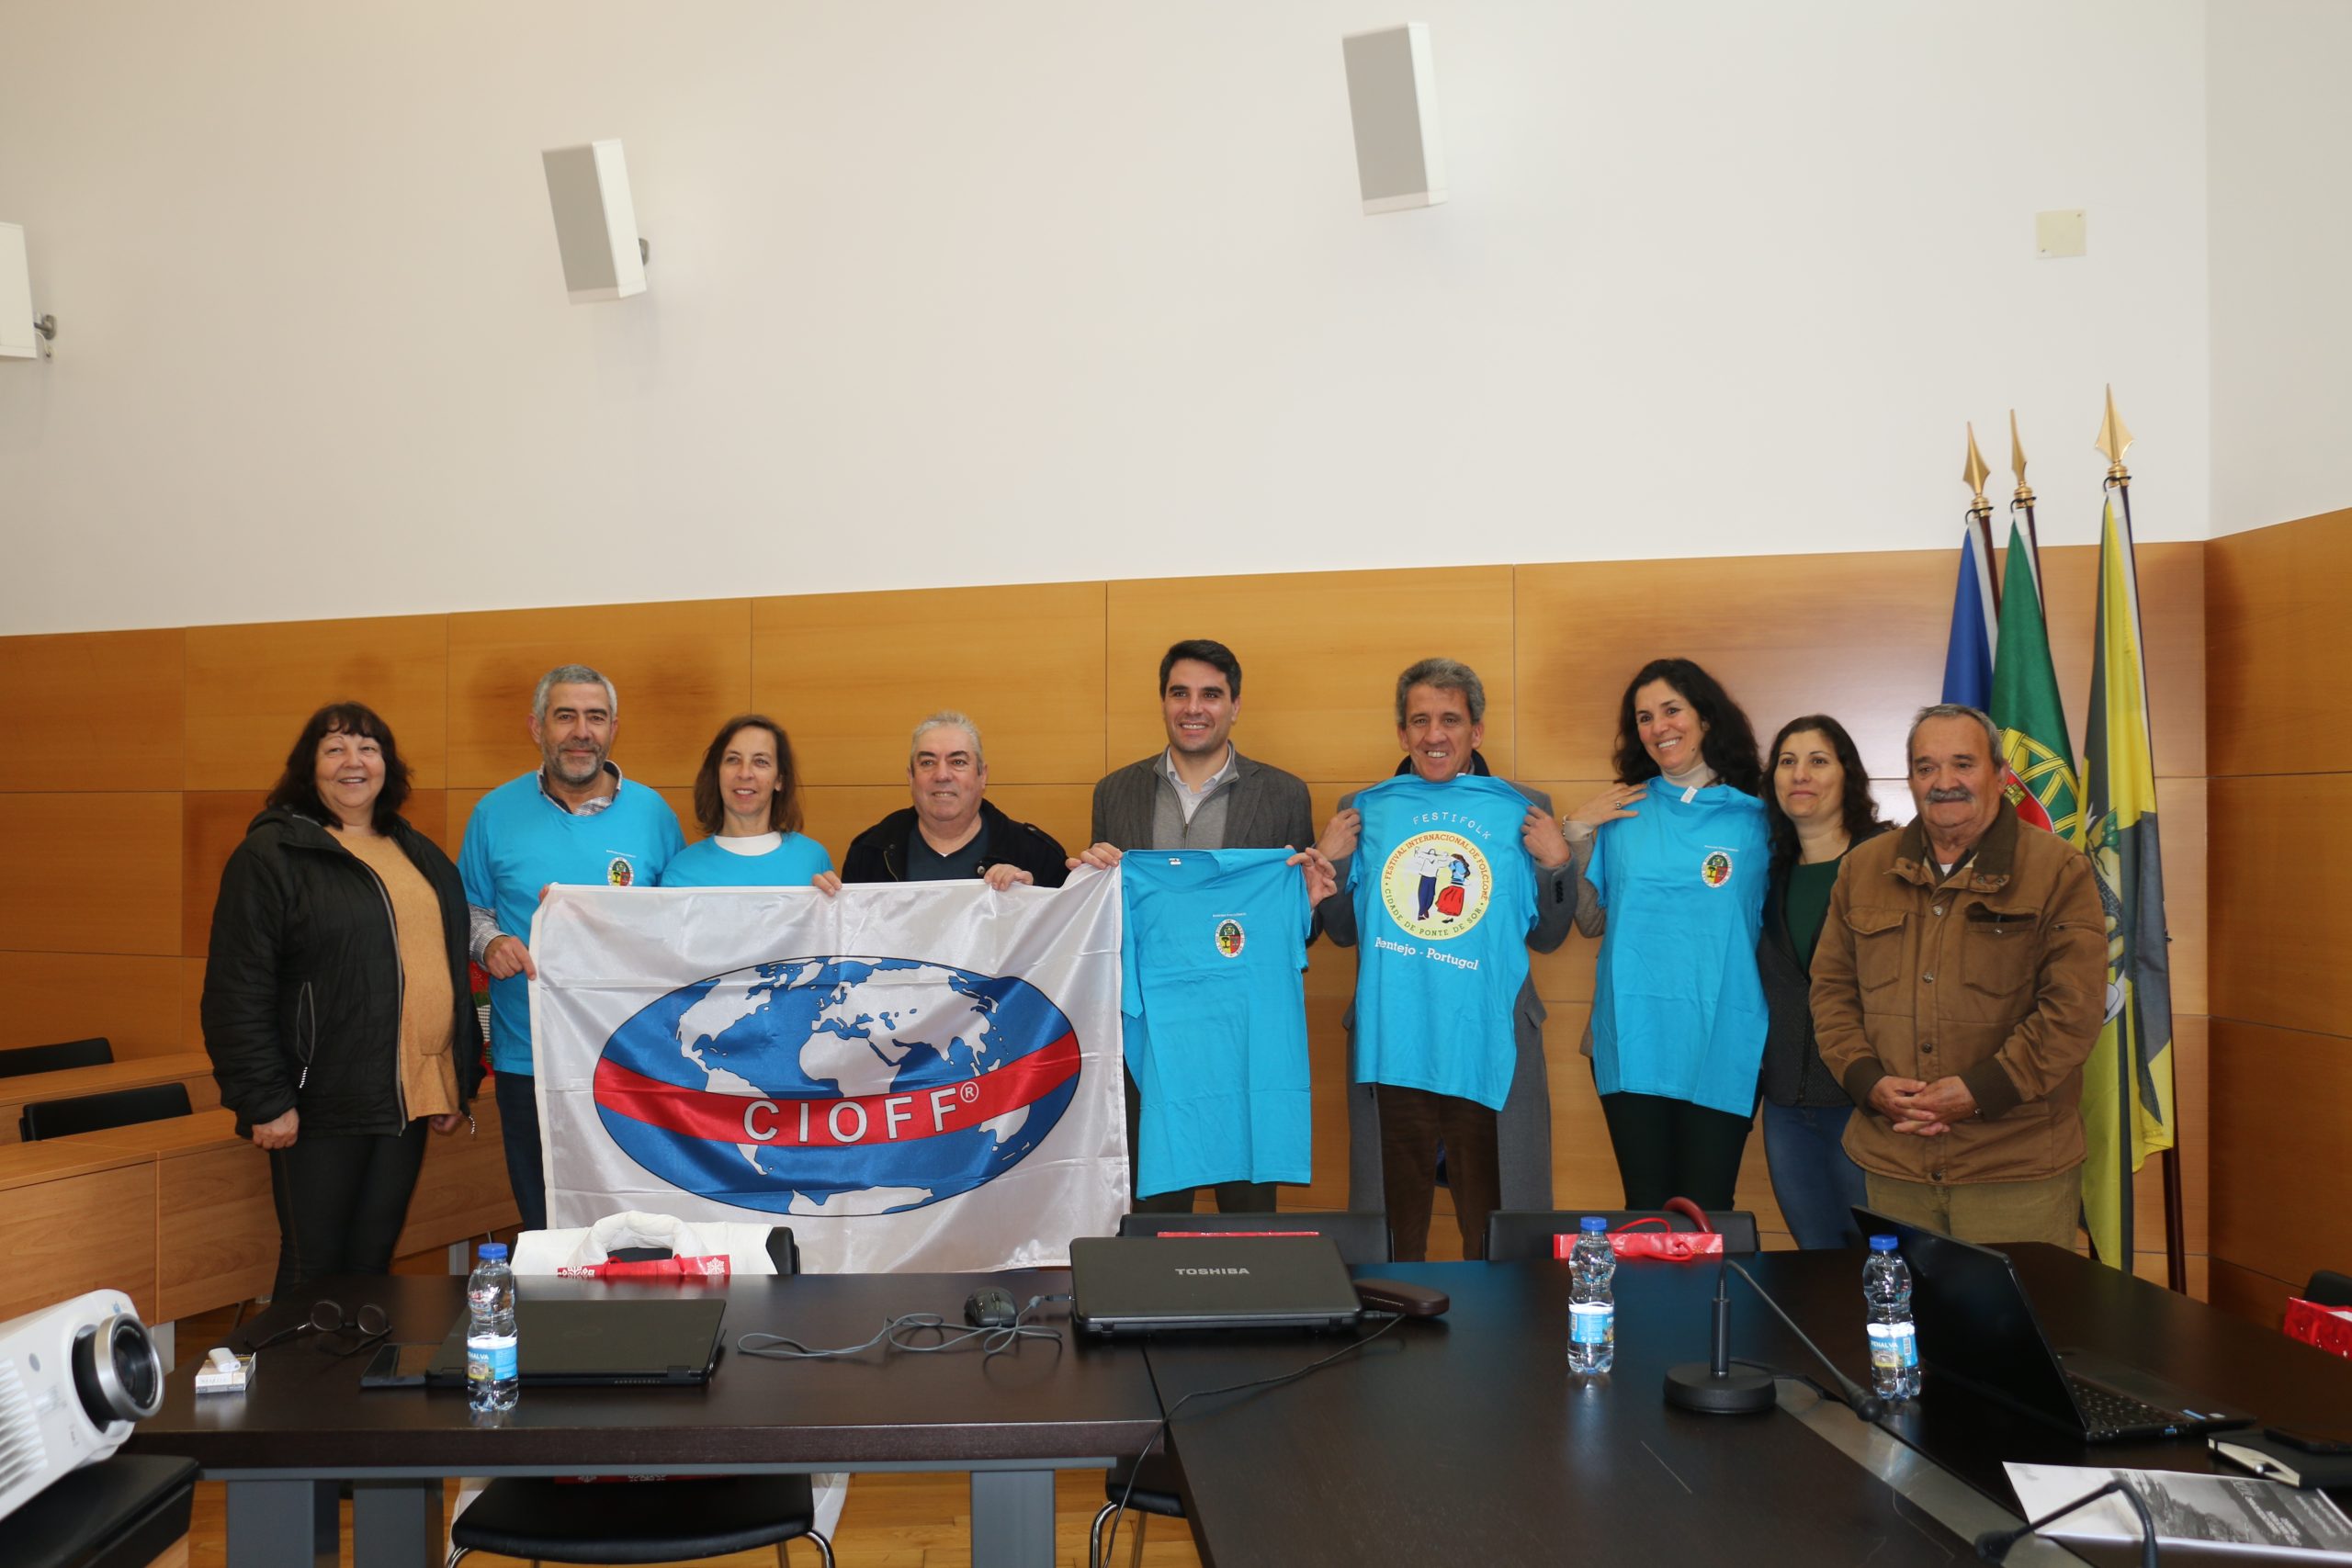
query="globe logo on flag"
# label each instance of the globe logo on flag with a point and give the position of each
(836, 1085)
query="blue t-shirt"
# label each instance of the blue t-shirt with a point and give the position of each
(1444, 897)
(1214, 943)
(706, 863)
(1677, 1009)
(518, 841)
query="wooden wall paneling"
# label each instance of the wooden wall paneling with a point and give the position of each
(2282, 1165)
(2277, 660)
(132, 1000)
(1857, 635)
(212, 824)
(2183, 807)
(250, 688)
(681, 670)
(2248, 1292)
(2172, 624)
(91, 872)
(2280, 936)
(2192, 1138)
(191, 1008)
(849, 674)
(90, 710)
(93, 1229)
(1321, 653)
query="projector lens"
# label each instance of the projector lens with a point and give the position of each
(117, 1373)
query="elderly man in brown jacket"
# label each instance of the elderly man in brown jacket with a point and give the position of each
(1959, 987)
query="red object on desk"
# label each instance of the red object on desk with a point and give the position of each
(2330, 1328)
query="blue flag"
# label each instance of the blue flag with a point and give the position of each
(1975, 625)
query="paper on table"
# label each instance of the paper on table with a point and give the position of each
(2228, 1513)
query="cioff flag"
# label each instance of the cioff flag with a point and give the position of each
(2127, 1085)
(912, 1077)
(2041, 781)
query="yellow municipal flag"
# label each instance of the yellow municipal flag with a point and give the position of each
(2127, 1083)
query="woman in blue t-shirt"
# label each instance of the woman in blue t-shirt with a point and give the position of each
(747, 797)
(1674, 858)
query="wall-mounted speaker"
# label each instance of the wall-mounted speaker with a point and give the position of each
(596, 222)
(1392, 97)
(17, 340)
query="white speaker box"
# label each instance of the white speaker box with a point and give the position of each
(596, 222)
(1392, 97)
(17, 340)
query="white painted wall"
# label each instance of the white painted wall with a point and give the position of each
(1052, 288)
(2280, 207)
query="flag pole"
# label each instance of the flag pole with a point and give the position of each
(2114, 440)
(2023, 501)
(1980, 513)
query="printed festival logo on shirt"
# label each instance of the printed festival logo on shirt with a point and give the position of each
(1715, 870)
(1436, 885)
(620, 874)
(1230, 937)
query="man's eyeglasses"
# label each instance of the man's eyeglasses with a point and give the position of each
(342, 1335)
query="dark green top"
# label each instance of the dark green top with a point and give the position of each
(1809, 888)
(927, 864)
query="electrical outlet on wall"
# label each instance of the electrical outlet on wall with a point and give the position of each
(2058, 233)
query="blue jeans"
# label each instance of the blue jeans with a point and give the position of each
(1816, 1183)
(518, 1118)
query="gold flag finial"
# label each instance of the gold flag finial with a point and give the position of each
(2114, 439)
(2024, 496)
(1974, 475)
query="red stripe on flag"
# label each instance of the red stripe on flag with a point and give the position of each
(836, 1123)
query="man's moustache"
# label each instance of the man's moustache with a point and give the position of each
(1949, 796)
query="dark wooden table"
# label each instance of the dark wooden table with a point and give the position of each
(1467, 1440)
(1011, 1420)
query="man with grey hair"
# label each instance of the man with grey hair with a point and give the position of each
(574, 819)
(1958, 988)
(1397, 1121)
(950, 832)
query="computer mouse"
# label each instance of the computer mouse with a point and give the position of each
(990, 1307)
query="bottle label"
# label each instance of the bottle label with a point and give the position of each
(490, 1359)
(1592, 1323)
(1894, 1347)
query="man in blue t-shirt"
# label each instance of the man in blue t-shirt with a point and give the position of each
(1494, 1159)
(574, 820)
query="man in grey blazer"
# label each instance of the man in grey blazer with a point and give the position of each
(1199, 794)
(1494, 1159)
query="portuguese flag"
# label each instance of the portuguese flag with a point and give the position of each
(2042, 784)
(2127, 1083)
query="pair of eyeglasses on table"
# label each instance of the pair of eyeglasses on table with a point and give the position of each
(342, 1333)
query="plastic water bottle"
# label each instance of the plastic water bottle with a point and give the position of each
(1894, 1345)
(490, 1361)
(1592, 1304)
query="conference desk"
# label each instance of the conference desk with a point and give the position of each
(1459, 1440)
(1467, 1440)
(1011, 1420)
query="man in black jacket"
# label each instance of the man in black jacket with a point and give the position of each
(950, 832)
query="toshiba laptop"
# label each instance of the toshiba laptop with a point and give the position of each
(1977, 1328)
(600, 1344)
(1143, 1284)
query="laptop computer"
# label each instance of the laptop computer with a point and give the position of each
(605, 1343)
(1978, 1329)
(1145, 1284)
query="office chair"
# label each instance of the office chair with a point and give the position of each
(94, 1112)
(16, 1062)
(645, 1521)
(2329, 1289)
(1520, 1235)
(1150, 1485)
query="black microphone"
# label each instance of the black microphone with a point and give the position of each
(1994, 1546)
(1714, 1388)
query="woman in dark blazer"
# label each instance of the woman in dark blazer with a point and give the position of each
(1818, 807)
(336, 1007)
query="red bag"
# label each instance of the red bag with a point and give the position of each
(2330, 1328)
(1677, 1247)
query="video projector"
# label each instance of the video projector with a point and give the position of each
(74, 1378)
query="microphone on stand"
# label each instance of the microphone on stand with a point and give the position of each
(1713, 1387)
(1994, 1546)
